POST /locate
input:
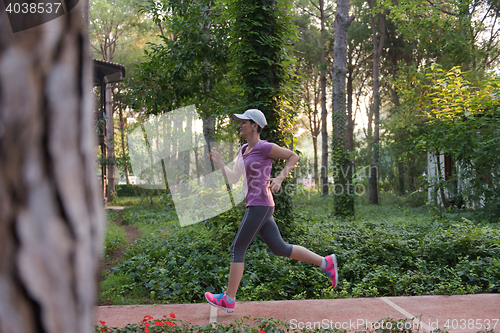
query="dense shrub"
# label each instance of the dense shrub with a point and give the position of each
(383, 251)
(115, 236)
(125, 190)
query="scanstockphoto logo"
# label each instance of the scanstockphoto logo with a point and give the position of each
(171, 149)
(24, 14)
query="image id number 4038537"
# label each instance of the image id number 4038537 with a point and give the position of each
(489, 324)
(33, 7)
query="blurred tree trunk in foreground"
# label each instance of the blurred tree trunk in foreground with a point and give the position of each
(51, 217)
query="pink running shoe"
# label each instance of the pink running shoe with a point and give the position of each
(331, 269)
(220, 301)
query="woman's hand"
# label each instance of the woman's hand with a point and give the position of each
(275, 184)
(216, 156)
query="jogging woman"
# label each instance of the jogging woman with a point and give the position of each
(254, 162)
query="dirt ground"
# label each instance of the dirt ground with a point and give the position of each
(114, 257)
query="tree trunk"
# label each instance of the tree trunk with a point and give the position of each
(111, 143)
(343, 192)
(316, 173)
(412, 172)
(262, 29)
(377, 50)
(369, 132)
(51, 217)
(401, 177)
(187, 153)
(314, 125)
(86, 25)
(350, 117)
(324, 111)
(169, 151)
(174, 154)
(122, 137)
(197, 157)
(86, 15)
(231, 142)
(209, 134)
(444, 201)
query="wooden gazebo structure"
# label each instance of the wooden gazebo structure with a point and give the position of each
(105, 72)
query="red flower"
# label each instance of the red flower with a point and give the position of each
(147, 317)
(158, 323)
(172, 315)
(102, 322)
(164, 316)
(262, 331)
(146, 330)
(169, 323)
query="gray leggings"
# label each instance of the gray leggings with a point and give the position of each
(258, 219)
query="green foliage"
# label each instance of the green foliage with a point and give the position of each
(121, 289)
(259, 325)
(118, 31)
(125, 190)
(188, 67)
(262, 32)
(343, 191)
(444, 33)
(457, 113)
(174, 266)
(115, 236)
(225, 225)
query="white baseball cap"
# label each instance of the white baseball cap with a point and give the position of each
(253, 114)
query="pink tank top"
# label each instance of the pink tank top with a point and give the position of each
(256, 167)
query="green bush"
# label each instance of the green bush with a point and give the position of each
(125, 190)
(259, 325)
(121, 289)
(115, 236)
(382, 251)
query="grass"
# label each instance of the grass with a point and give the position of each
(121, 289)
(386, 250)
(115, 236)
(126, 201)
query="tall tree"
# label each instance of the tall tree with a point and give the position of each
(122, 154)
(378, 45)
(399, 53)
(343, 192)
(208, 118)
(86, 20)
(261, 30)
(323, 12)
(51, 216)
(358, 54)
(308, 50)
(189, 65)
(313, 121)
(114, 25)
(419, 33)
(453, 33)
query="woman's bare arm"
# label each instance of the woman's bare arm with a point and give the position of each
(291, 159)
(232, 175)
